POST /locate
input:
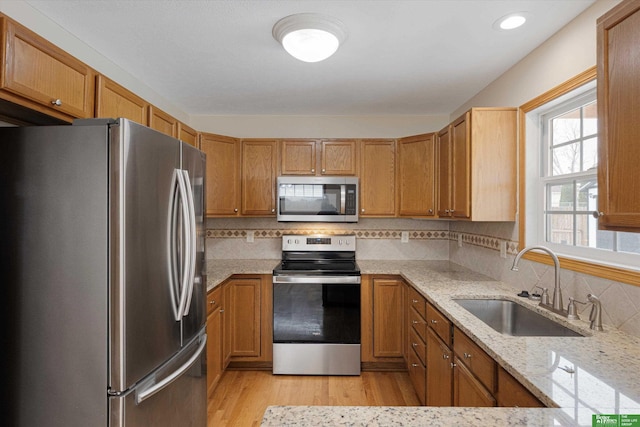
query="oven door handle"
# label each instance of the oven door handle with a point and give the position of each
(323, 280)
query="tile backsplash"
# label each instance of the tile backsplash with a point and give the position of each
(474, 245)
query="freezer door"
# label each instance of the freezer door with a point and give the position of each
(193, 162)
(144, 329)
(174, 395)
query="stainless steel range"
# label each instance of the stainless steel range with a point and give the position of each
(316, 306)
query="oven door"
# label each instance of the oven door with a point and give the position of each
(316, 309)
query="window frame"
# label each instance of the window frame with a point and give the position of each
(579, 262)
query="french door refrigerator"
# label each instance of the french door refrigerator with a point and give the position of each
(103, 304)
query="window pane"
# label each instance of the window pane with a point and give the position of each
(604, 239)
(587, 195)
(586, 229)
(560, 197)
(629, 242)
(565, 159)
(590, 154)
(566, 127)
(590, 119)
(560, 229)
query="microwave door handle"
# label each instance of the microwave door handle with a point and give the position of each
(343, 199)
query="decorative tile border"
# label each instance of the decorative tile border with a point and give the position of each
(487, 242)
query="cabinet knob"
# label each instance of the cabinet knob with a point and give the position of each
(212, 302)
(434, 321)
(362, 210)
(414, 301)
(597, 214)
(324, 170)
(273, 210)
(467, 355)
(235, 210)
(445, 356)
(447, 211)
(430, 211)
(56, 102)
(415, 344)
(451, 211)
(313, 171)
(222, 310)
(415, 322)
(415, 365)
(453, 365)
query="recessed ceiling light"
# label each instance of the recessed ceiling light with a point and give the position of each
(309, 37)
(511, 21)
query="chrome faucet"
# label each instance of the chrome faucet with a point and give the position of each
(556, 304)
(596, 313)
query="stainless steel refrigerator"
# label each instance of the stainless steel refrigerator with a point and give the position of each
(103, 303)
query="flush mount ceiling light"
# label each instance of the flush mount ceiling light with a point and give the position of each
(511, 21)
(309, 37)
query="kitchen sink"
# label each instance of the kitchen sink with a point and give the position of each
(510, 318)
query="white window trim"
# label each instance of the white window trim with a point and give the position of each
(535, 194)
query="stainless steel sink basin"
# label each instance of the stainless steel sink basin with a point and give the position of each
(510, 318)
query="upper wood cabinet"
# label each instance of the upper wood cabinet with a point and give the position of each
(188, 135)
(377, 177)
(259, 171)
(477, 158)
(40, 76)
(416, 176)
(114, 101)
(163, 122)
(318, 157)
(223, 174)
(618, 111)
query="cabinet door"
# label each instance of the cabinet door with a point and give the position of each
(513, 394)
(444, 172)
(388, 315)
(188, 135)
(223, 174)
(163, 122)
(242, 312)
(439, 372)
(417, 374)
(259, 177)
(460, 167)
(339, 157)
(37, 70)
(214, 350)
(467, 390)
(416, 176)
(298, 157)
(115, 101)
(377, 178)
(618, 111)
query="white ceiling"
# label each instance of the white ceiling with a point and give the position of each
(401, 57)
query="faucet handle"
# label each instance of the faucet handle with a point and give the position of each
(572, 312)
(544, 298)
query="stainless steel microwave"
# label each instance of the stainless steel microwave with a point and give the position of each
(318, 199)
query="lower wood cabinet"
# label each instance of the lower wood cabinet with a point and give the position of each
(467, 389)
(440, 371)
(248, 329)
(214, 338)
(382, 318)
(511, 393)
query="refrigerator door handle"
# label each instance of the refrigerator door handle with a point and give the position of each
(147, 392)
(193, 235)
(174, 276)
(186, 219)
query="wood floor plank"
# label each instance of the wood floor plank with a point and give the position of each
(241, 397)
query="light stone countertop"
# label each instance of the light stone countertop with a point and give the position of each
(606, 365)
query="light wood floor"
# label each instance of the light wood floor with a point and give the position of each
(241, 397)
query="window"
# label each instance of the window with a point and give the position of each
(562, 182)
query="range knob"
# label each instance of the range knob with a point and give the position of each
(346, 242)
(297, 241)
(289, 241)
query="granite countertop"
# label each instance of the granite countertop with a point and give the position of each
(605, 365)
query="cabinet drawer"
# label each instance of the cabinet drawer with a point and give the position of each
(214, 299)
(418, 302)
(418, 324)
(417, 373)
(416, 343)
(41, 72)
(440, 324)
(478, 362)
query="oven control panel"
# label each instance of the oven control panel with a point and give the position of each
(338, 242)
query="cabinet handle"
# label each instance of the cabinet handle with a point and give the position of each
(56, 102)
(467, 355)
(597, 214)
(434, 321)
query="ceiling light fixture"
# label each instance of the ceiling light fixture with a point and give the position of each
(309, 37)
(511, 21)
